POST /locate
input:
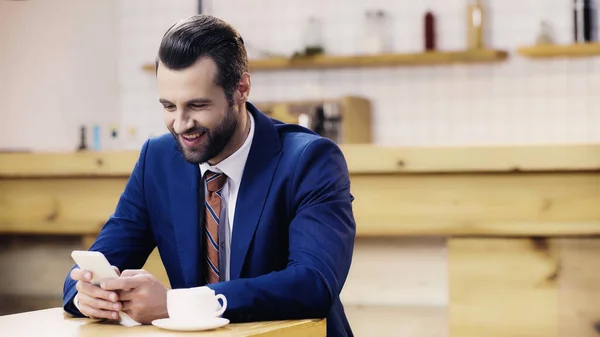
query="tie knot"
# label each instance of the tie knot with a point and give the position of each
(215, 181)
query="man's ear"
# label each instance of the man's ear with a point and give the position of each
(243, 89)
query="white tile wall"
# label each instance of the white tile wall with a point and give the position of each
(520, 101)
(142, 24)
(57, 72)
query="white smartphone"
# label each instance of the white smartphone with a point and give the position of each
(95, 262)
(101, 270)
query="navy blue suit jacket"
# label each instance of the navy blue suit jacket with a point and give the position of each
(292, 239)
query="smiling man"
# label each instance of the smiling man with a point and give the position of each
(257, 210)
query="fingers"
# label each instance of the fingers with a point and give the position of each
(96, 292)
(123, 282)
(117, 270)
(81, 275)
(133, 272)
(98, 303)
(97, 313)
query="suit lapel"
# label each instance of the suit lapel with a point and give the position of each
(185, 214)
(261, 164)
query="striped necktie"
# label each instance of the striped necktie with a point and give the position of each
(214, 187)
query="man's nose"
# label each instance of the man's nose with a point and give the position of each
(182, 122)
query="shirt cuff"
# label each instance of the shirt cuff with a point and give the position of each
(76, 302)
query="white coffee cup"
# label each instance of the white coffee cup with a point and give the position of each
(194, 304)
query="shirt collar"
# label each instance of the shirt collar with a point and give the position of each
(233, 166)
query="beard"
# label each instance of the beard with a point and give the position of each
(216, 139)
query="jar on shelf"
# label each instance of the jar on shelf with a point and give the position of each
(376, 39)
(313, 37)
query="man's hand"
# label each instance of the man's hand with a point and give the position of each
(143, 297)
(95, 302)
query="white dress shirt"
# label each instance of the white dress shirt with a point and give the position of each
(233, 167)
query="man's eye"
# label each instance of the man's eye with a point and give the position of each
(169, 107)
(198, 106)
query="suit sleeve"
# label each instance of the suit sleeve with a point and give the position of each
(126, 238)
(321, 243)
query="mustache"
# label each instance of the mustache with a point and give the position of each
(197, 129)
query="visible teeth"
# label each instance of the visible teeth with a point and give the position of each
(192, 136)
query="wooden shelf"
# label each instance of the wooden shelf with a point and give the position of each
(383, 60)
(554, 51)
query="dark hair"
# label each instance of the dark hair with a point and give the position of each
(206, 36)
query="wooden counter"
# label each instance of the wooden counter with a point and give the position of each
(520, 222)
(54, 322)
(482, 191)
(362, 159)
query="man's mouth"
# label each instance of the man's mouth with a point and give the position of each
(192, 139)
(192, 136)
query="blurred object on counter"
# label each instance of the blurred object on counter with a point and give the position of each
(114, 131)
(325, 120)
(82, 139)
(97, 136)
(345, 121)
(131, 141)
(113, 140)
(132, 132)
(546, 34)
(430, 31)
(585, 21)
(376, 38)
(475, 22)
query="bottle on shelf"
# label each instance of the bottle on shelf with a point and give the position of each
(429, 30)
(584, 21)
(475, 20)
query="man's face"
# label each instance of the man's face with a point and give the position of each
(196, 110)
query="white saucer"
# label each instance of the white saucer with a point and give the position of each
(171, 324)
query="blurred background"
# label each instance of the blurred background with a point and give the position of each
(82, 65)
(475, 122)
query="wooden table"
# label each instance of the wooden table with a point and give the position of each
(55, 322)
